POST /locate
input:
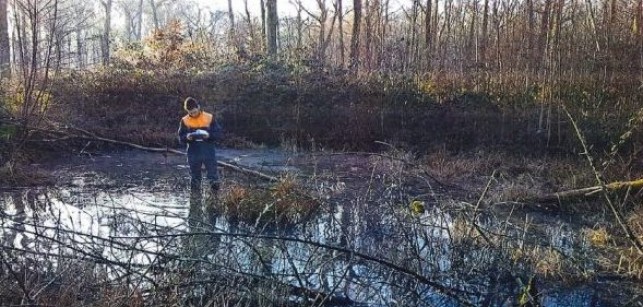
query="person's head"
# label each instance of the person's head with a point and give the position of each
(192, 106)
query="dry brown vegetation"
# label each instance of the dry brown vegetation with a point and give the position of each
(283, 204)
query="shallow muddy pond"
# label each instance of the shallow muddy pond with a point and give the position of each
(361, 246)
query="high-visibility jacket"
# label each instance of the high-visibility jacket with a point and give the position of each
(204, 121)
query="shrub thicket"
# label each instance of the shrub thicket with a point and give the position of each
(268, 102)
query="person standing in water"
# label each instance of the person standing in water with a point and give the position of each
(199, 130)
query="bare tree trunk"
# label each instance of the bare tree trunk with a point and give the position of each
(485, 33)
(613, 12)
(611, 36)
(321, 20)
(543, 37)
(428, 35)
(155, 15)
(233, 26)
(5, 55)
(369, 35)
(571, 47)
(542, 57)
(20, 35)
(594, 26)
(461, 43)
(139, 22)
(471, 39)
(497, 26)
(354, 54)
(58, 41)
(557, 29)
(327, 40)
(376, 24)
(80, 50)
(531, 25)
(69, 58)
(553, 60)
(130, 22)
(445, 32)
(339, 8)
(386, 19)
(232, 31)
(416, 35)
(107, 29)
(435, 31)
(251, 29)
(272, 21)
(300, 27)
(262, 5)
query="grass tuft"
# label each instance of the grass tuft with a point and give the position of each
(283, 203)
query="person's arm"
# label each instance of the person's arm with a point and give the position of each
(214, 130)
(184, 132)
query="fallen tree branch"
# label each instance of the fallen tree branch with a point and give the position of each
(586, 192)
(604, 188)
(89, 135)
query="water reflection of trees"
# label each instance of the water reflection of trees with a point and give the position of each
(366, 250)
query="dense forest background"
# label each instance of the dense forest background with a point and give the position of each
(419, 74)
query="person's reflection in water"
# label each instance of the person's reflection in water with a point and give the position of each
(190, 267)
(201, 222)
(212, 214)
(194, 241)
(211, 206)
(195, 215)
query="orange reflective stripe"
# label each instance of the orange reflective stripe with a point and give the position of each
(202, 121)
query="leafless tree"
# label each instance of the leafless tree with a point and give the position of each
(37, 38)
(428, 32)
(357, 20)
(369, 21)
(272, 22)
(482, 54)
(133, 18)
(5, 47)
(339, 9)
(139, 21)
(469, 37)
(262, 6)
(543, 36)
(300, 25)
(255, 43)
(107, 30)
(232, 31)
(324, 36)
(385, 20)
(411, 53)
(154, 6)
